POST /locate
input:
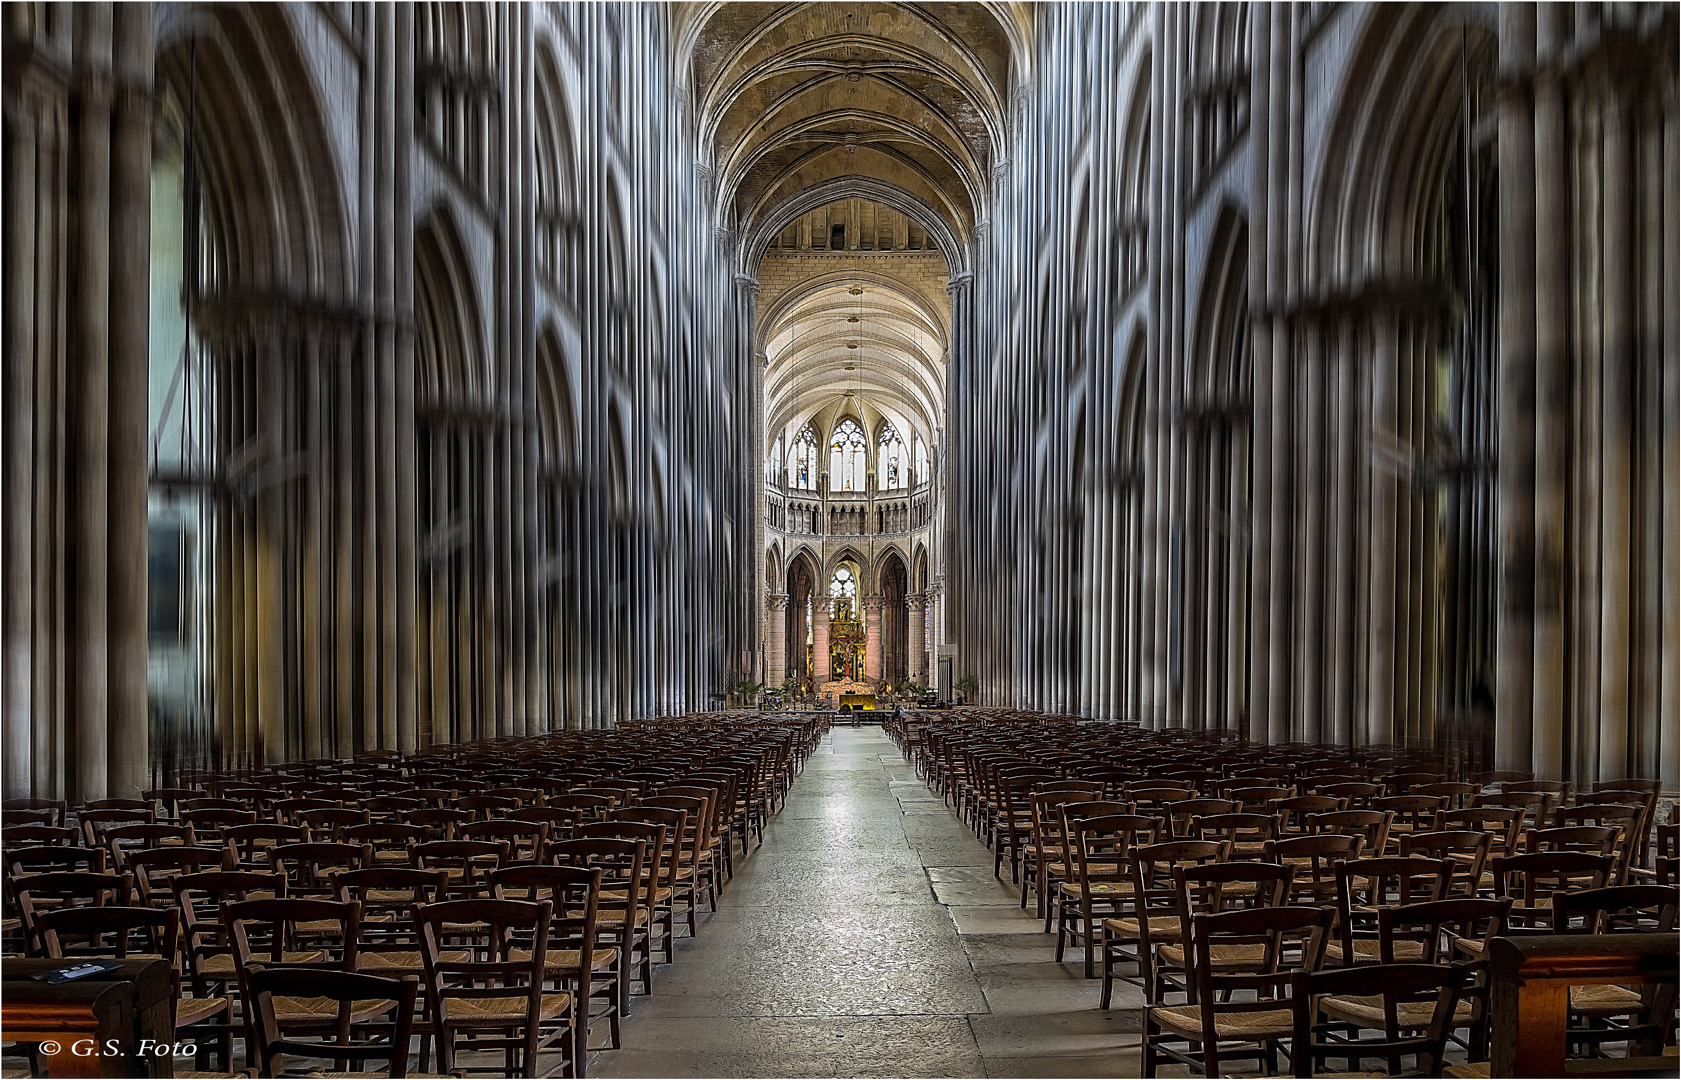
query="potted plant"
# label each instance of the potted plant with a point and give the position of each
(967, 687)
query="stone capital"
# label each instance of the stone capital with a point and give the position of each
(917, 598)
(872, 606)
(778, 601)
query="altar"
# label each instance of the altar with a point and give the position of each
(839, 692)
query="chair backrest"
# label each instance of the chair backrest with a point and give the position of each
(1534, 880)
(309, 867)
(619, 861)
(251, 844)
(656, 864)
(37, 894)
(161, 928)
(1317, 1041)
(525, 839)
(153, 867)
(1366, 886)
(327, 825)
(1234, 829)
(1619, 909)
(40, 859)
(384, 1039)
(1371, 826)
(1437, 925)
(1228, 886)
(1357, 793)
(276, 931)
(1503, 824)
(93, 823)
(1466, 850)
(42, 835)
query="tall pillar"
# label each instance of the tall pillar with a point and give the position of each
(916, 658)
(1515, 484)
(872, 637)
(776, 640)
(131, 223)
(89, 527)
(1617, 405)
(820, 641)
(1554, 385)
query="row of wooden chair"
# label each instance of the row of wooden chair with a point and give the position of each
(501, 897)
(1228, 878)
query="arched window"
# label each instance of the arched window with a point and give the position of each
(919, 456)
(773, 467)
(892, 470)
(846, 457)
(803, 460)
(843, 583)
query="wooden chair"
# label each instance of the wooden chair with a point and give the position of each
(491, 1000)
(622, 913)
(1365, 887)
(281, 932)
(1292, 812)
(1609, 1013)
(1312, 859)
(1238, 1012)
(1395, 988)
(36, 895)
(1437, 932)
(251, 844)
(657, 890)
(573, 962)
(160, 930)
(1371, 826)
(525, 839)
(1466, 851)
(154, 867)
(386, 1039)
(1209, 889)
(1046, 848)
(1152, 906)
(1532, 881)
(309, 868)
(1098, 880)
(465, 864)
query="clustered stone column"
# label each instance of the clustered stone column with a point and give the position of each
(820, 641)
(776, 643)
(917, 649)
(872, 637)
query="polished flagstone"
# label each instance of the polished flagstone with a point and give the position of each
(868, 937)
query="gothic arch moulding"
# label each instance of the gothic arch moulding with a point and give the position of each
(557, 416)
(1396, 122)
(274, 202)
(450, 346)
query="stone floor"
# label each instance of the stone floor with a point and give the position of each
(868, 937)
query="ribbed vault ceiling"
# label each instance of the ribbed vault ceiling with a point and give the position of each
(792, 96)
(890, 359)
(805, 103)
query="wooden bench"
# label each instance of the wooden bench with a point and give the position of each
(1530, 980)
(123, 1009)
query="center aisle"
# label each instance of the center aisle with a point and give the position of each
(868, 937)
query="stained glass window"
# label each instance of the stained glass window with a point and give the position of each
(847, 460)
(920, 454)
(803, 460)
(892, 469)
